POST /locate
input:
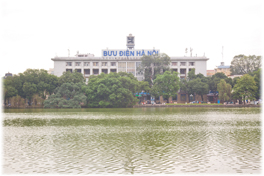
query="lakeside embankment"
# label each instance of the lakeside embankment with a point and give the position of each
(158, 105)
(192, 105)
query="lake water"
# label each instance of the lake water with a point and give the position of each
(133, 140)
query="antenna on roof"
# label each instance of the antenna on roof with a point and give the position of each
(222, 53)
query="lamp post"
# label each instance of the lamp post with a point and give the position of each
(191, 96)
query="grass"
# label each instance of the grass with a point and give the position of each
(189, 104)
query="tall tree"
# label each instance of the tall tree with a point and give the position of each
(245, 87)
(242, 64)
(9, 92)
(68, 77)
(257, 77)
(152, 65)
(29, 89)
(215, 79)
(166, 85)
(198, 87)
(111, 90)
(224, 90)
(68, 95)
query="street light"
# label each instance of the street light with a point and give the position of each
(191, 96)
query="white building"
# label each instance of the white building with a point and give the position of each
(126, 60)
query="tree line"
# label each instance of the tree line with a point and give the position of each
(118, 89)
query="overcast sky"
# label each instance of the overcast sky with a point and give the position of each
(33, 32)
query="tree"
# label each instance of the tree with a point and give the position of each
(245, 87)
(215, 79)
(257, 78)
(234, 81)
(191, 74)
(29, 89)
(224, 90)
(242, 64)
(198, 87)
(153, 65)
(143, 86)
(68, 95)
(111, 90)
(166, 85)
(9, 92)
(68, 77)
(44, 82)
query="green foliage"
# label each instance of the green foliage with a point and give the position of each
(166, 85)
(257, 78)
(68, 77)
(153, 65)
(198, 87)
(234, 81)
(246, 86)
(29, 89)
(9, 92)
(41, 82)
(112, 90)
(242, 64)
(224, 90)
(191, 74)
(68, 95)
(215, 79)
(143, 86)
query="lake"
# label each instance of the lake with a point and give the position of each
(132, 140)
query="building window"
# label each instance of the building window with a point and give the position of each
(86, 72)
(105, 71)
(86, 63)
(174, 63)
(157, 98)
(174, 97)
(138, 71)
(95, 63)
(70, 70)
(95, 71)
(113, 70)
(175, 70)
(131, 68)
(183, 71)
(191, 63)
(113, 63)
(77, 63)
(183, 97)
(122, 67)
(79, 70)
(183, 64)
(104, 63)
(68, 63)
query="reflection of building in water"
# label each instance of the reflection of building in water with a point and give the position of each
(126, 60)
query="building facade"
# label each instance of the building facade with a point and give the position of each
(222, 68)
(124, 60)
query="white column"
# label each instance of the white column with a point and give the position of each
(99, 67)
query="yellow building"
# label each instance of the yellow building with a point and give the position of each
(223, 69)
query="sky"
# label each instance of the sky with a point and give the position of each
(33, 32)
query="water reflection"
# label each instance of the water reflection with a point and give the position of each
(127, 141)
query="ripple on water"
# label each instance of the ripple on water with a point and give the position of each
(138, 141)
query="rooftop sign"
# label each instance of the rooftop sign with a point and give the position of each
(120, 53)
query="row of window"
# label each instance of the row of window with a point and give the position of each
(88, 63)
(114, 63)
(94, 71)
(182, 63)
